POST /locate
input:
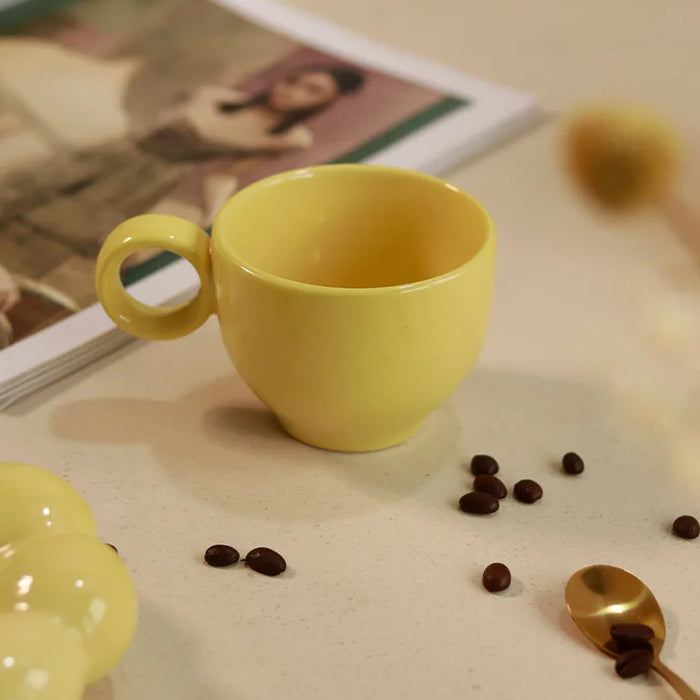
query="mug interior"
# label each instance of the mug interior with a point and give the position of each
(352, 226)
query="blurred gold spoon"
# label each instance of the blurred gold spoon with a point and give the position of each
(600, 596)
(625, 158)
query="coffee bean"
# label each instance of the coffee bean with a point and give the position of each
(478, 503)
(265, 561)
(632, 635)
(615, 649)
(221, 555)
(490, 484)
(527, 491)
(572, 463)
(483, 464)
(112, 546)
(687, 527)
(633, 662)
(496, 577)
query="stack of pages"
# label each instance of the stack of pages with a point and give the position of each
(112, 108)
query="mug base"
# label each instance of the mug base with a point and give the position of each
(348, 442)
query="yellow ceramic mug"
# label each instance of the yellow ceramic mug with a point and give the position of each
(352, 299)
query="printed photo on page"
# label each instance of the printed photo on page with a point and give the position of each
(113, 108)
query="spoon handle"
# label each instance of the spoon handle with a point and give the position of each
(677, 683)
(685, 224)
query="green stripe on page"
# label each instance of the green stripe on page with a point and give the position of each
(399, 131)
(138, 272)
(18, 14)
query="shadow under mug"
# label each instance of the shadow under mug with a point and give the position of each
(352, 299)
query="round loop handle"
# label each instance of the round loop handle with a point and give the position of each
(155, 231)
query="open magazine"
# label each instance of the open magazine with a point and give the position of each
(113, 108)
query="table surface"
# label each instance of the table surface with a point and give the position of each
(382, 598)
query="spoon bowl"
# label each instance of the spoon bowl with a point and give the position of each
(600, 596)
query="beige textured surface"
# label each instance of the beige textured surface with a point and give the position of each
(382, 597)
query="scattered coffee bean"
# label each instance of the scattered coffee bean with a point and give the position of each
(496, 577)
(633, 662)
(614, 648)
(572, 463)
(488, 483)
(112, 546)
(265, 561)
(483, 464)
(527, 491)
(687, 527)
(632, 635)
(220, 555)
(478, 503)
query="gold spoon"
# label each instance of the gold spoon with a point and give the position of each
(600, 596)
(625, 158)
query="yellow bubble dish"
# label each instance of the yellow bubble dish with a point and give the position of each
(67, 604)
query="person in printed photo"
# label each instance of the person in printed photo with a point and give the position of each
(102, 149)
(86, 187)
(219, 121)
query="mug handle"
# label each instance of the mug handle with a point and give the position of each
(155, 231)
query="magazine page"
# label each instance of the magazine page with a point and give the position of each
(112, 108)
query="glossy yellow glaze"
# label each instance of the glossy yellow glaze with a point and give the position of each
(40, 658)
(352, 299)
(35, 501)
(67, 605)
(155, 231)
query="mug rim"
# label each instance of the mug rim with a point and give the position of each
(294, 285)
